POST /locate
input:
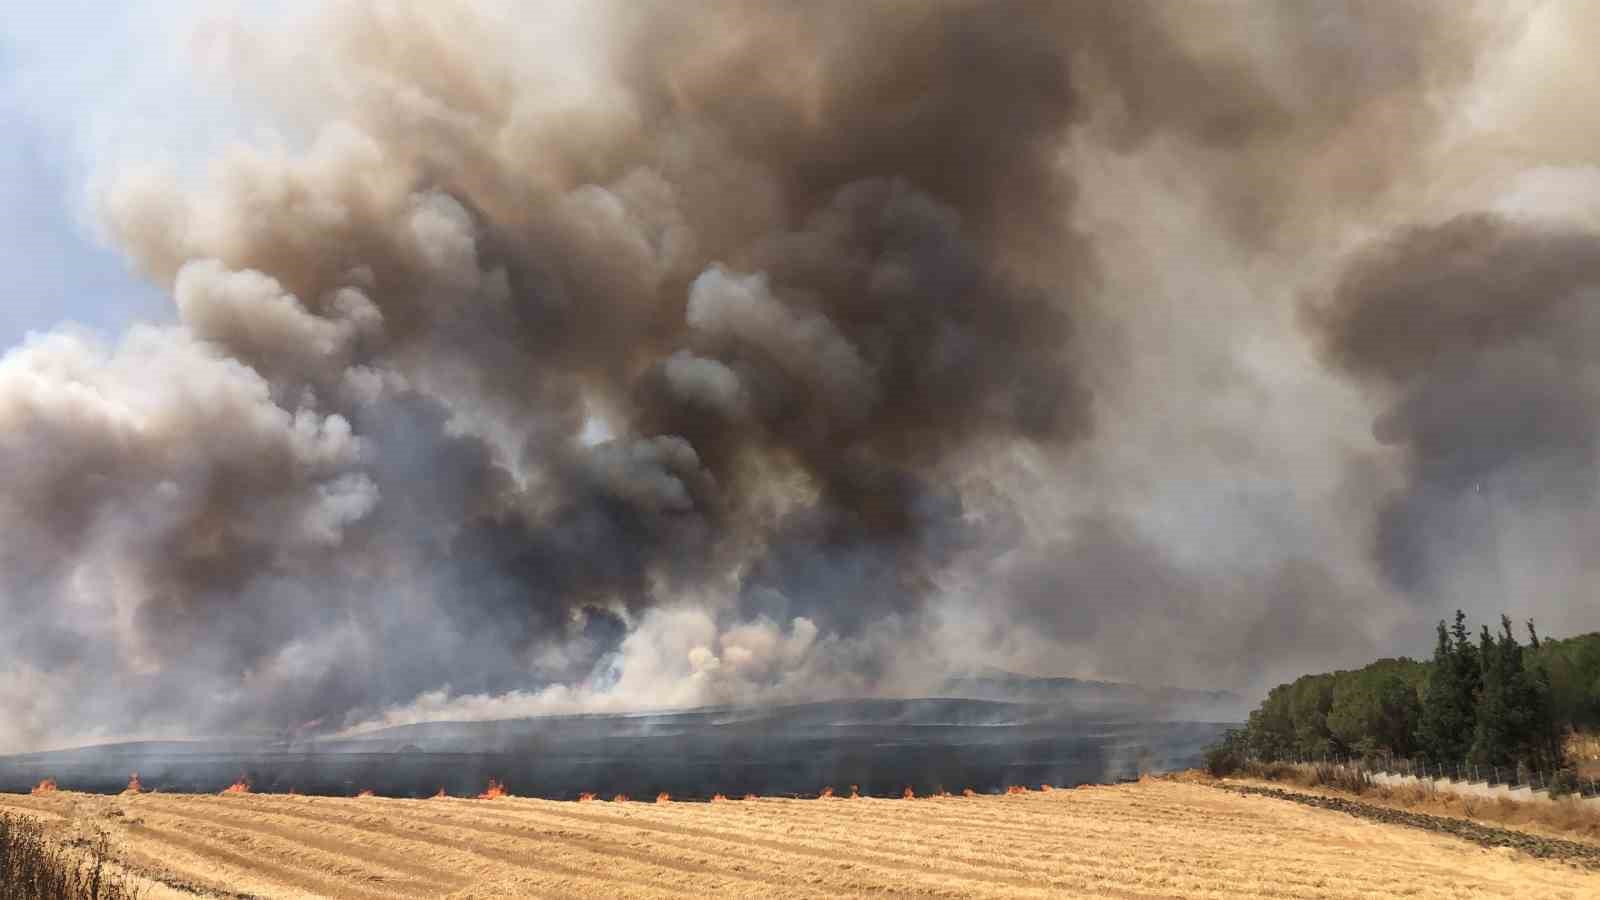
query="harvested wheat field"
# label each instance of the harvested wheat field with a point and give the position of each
(1152, 839)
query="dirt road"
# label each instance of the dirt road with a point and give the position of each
(1153, 839)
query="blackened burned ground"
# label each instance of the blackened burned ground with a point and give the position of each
(1484, 835)
(881, 746)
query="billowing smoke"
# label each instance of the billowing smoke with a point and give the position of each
(748, 351)
(1482, 331)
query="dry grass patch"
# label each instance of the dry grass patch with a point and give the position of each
(1565, 817)
(36, 866)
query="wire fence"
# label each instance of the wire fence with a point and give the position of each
(1465, 771)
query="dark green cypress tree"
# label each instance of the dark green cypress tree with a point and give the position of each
(1449, 703)
(1494, 738)
(1433, 724)
(1527, 700)
(1547, 725)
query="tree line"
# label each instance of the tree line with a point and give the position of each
(1487, 699)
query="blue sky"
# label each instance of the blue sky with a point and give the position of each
(68, 94)
(58, 269)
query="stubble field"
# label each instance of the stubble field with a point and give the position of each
(1152, 839)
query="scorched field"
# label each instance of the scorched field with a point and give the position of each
(1152, 839)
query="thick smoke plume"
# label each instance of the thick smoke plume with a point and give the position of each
(1483, 331)
(746, 351)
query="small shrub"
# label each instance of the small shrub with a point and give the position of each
(1272, 771)
(1222, 761)
(1563, 782)
(1343, 778)
(1227, 755)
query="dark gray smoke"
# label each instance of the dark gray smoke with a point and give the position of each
(1482, 331)
(772, 351)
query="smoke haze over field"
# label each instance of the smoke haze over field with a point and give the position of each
(613, 356)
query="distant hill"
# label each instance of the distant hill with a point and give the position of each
(931, 717)
(985, 699)
(1098, 696)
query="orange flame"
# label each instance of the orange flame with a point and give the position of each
(719, 798)
(586, 796)
(494, 791)
(134, 786)
(366, 792)
(441, 795)
(749, 796)
(1016, 789)
(855, 792)
(663, 797)
(968, 792)
(47, 786)
(827, 793)
(908, 794)
(242, 786)
(620, 798)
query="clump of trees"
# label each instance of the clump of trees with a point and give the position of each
(1491, 700)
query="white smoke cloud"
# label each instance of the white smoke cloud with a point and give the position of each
(673, 658)
(805, 345)
(707, 382)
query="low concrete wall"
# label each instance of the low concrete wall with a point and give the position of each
(1478, 789)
